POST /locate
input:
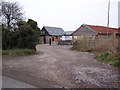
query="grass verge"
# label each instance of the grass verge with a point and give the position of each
(18, 52)
(109, 58)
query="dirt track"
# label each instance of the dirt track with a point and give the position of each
(60, 67)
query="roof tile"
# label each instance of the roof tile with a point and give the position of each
(103, 29)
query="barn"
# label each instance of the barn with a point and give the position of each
(95, 31)
(51, 33)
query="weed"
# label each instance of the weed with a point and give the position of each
(108, 57)
(18, 52)
(116, 63)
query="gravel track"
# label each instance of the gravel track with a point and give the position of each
(60, 67)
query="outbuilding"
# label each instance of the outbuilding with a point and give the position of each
(51, 33)
(95, 31)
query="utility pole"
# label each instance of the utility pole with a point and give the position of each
(108, 18)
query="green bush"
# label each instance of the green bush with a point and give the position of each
(26, 36)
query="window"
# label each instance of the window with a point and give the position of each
(43, 33)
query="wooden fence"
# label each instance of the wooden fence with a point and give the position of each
(87, 42)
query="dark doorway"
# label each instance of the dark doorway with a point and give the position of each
(44, 39)
(49, 41)
(52, 38)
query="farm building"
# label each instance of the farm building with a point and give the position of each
(93, 32)
(66, 38)
(68, 33)
(51, 33)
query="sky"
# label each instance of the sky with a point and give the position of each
(70, 14)
(119, 14)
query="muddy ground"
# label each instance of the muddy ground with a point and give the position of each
(60, 67)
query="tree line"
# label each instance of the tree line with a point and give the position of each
(16, 32)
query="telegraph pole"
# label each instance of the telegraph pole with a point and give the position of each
(108, 18)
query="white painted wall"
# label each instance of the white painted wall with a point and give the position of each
(64, 38)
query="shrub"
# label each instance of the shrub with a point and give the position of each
(25, 36)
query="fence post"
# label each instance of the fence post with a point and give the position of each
(84, 41)
(114, 36)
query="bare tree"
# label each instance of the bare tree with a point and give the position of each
(11, 13)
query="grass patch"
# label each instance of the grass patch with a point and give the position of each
(109, 58)
(116, 63)
(18, 52)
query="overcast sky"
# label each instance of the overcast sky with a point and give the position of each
(70, 14)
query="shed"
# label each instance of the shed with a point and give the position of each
(94, 31)
(51, 32)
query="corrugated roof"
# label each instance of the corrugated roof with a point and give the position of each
(68, 32)
(55, 31)
(103, 29)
